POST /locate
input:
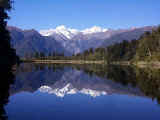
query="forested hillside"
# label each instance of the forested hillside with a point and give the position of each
(147, 48)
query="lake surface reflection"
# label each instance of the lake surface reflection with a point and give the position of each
(84, 92)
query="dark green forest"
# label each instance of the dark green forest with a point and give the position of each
(147, 48)
(7, 53)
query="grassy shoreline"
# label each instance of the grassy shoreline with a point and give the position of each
(65, 61)
(155, 64)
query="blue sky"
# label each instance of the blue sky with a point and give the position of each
(80, 14)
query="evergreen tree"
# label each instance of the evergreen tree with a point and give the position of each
(49, 55)
(53, 54)
(91, 51)
(36, 55)
(42, 55)
(7, 53)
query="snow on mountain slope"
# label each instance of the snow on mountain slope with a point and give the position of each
(70, 33)
(94, 29)
(61, 30)
(75, 40)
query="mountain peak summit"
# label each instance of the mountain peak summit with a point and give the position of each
(61, 27)
(94, 29)
(70, 33)
(60, 30)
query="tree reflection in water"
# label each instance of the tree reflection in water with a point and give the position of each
(146, 79)
(7, 78)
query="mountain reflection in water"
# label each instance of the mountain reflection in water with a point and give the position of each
(62, 80)
(93, 80)
(80, 92)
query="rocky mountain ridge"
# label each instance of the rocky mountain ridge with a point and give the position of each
(69, 41)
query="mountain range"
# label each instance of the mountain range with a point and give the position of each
(69, 41)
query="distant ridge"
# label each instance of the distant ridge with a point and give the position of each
(69, 41)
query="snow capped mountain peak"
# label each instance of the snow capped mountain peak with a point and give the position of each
(61, 30)
(69, 33)
(94, 29)
(61, 27)
(69, 89)
(47, 32)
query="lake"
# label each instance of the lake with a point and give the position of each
(80, 92)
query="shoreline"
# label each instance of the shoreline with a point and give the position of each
(141, 64)
(64, 61)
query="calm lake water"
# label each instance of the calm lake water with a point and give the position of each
(83, 92)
